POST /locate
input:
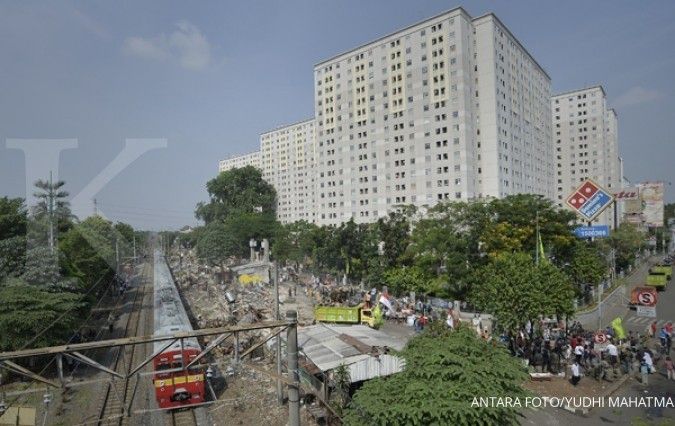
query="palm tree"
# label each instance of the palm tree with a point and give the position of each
(51, 205)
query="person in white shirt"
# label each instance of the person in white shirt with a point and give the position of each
(647, 358)
(578, 353)
(576, 373)
(613, 353)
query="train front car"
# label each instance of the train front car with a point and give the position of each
(175, 386)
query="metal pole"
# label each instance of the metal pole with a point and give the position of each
(117, 257)
(236, 348)
(599, 306)
(292, 353)
(134, 249)
(280, 391)
(616, 215)
(59, 366)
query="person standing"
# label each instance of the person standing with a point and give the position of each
(647, 358)
(578, 353)
(613, 353)
(652, 329)
(644, 372)
(670, 373)
(576, 373)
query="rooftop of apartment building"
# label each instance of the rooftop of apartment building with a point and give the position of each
(411, 28)
(284, 126)
(585, 89)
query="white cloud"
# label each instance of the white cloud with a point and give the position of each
(186, 45)
(637, 95)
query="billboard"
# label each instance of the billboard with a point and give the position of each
(652, 200)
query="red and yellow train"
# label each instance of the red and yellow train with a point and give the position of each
(176, 386)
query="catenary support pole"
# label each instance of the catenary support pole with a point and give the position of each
(293, 376)
(280, 391)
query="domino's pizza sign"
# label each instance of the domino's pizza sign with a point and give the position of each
(589, 200)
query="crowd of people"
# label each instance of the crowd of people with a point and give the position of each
(603, 354)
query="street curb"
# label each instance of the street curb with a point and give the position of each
(610, 390)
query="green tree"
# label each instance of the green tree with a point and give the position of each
(235, 192)
(515, 290)
(13, 217)
(215, 245)
(89, 250)
(404, 279)
(627, 241)
(26, 310)
(440, 249)
(588, 264)
(293, 242)
(394, 232)
(514, 223)
(445, 370)
(13, 222)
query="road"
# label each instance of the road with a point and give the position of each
(658, 383)
(616, 305)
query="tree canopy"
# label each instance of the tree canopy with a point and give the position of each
(515, 290)
(445, 370)
(237, 191)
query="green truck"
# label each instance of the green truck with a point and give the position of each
(349, 315)
(659, 280)
(665, 268)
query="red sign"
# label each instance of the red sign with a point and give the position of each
(647, 298)
(600, 337)
(627, 194)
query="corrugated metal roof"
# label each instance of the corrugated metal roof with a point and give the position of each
(325, 348)
(369, 336)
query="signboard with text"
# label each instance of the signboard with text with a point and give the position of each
(596, 231)
(589, 200)
(646, 311)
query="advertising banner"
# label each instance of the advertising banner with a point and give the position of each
(652, 200)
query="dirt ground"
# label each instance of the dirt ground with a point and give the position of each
(561, 387)
(250, 399)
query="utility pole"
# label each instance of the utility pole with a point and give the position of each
(95, 208)
(134, 249)
(293, 376)
(280, 393)
(50, 210)
(536, 243)
(117, 257)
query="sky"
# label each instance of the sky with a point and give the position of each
(208, 77)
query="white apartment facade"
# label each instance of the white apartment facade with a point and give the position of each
(250, 159)
(451, 108)
(288, 163)
(587, 144)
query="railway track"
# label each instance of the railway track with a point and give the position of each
(117, 397)
(183, 418)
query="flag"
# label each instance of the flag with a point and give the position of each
(540, 248)
(618, 328)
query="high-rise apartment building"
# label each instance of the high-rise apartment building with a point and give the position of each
(453, 107)
(585, 131)
(250, 159)
(287, 161)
